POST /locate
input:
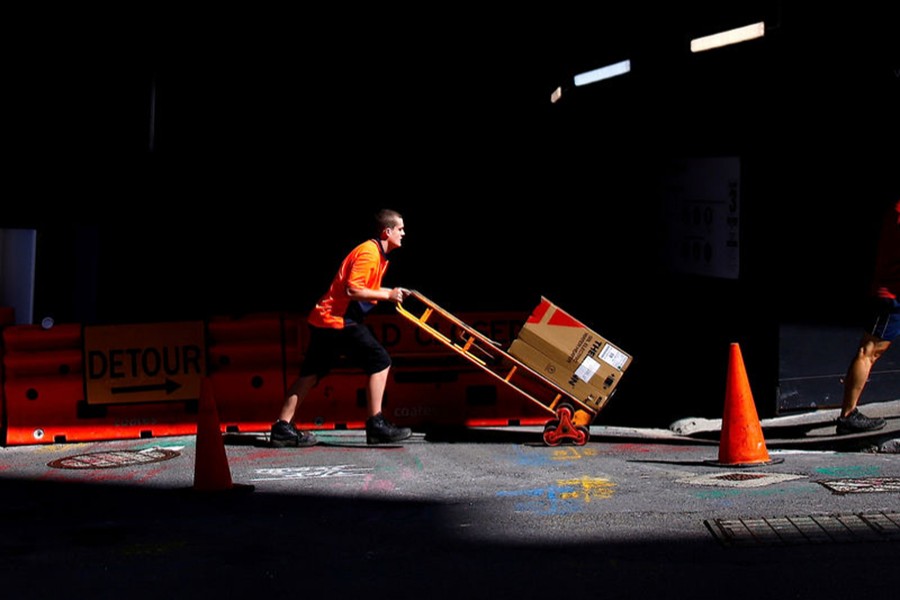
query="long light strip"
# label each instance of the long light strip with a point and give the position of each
(732, 36)
(613, 70)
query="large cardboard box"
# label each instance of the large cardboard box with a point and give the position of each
(580, 353)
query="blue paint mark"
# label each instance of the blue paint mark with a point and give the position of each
(851, 471)
(533, 459)
(545, 501)
(556, 455)
(734, 492)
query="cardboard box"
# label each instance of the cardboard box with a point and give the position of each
(577, 352)
(590, 391)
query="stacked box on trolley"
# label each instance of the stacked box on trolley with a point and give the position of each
(570, 354)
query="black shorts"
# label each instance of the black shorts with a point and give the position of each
(883, 318)
(352, 346)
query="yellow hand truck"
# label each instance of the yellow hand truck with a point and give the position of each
(569, 417)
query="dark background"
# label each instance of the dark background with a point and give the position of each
(184, 165)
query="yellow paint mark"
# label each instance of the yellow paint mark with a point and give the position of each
(570, 453)
(589, 488)
(57, 448)
(565, 454)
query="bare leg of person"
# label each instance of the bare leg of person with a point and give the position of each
(375, 391)
(284, 433)
(851, 420)
(870, 350)
(378, 429)
(297, 392)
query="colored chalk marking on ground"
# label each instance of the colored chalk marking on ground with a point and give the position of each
(539, 457)
(588, 488)
(566, 497)
(314, 472)
(851, 471)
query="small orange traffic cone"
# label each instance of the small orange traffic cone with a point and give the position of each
(211, 470)
(741, 443)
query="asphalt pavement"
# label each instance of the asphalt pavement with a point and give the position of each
(464, 513)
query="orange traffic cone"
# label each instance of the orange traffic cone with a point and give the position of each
(741, 443)
(211, 470)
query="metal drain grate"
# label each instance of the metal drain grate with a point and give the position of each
(815, 529)
(863, 485)
(110, 460)
(739, 476)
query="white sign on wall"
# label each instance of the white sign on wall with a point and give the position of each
(701, 197)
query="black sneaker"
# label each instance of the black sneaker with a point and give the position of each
(285, 434)
(380, 431)
(856, 422)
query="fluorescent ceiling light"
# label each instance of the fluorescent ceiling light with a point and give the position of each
(619, 68)
(732, 36)
(556, 95)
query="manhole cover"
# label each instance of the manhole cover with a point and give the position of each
(111, 460)
(739, 480)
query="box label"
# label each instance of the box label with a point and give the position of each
(587, 369)
(614, 356)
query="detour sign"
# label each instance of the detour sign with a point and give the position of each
(154, 362)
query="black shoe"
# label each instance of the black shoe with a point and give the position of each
(856, 422)
(380, 431)
(285, 434)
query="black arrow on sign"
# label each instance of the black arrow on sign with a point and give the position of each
(169, 386)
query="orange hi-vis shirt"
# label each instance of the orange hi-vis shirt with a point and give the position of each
(887, 263)
(364, 267)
